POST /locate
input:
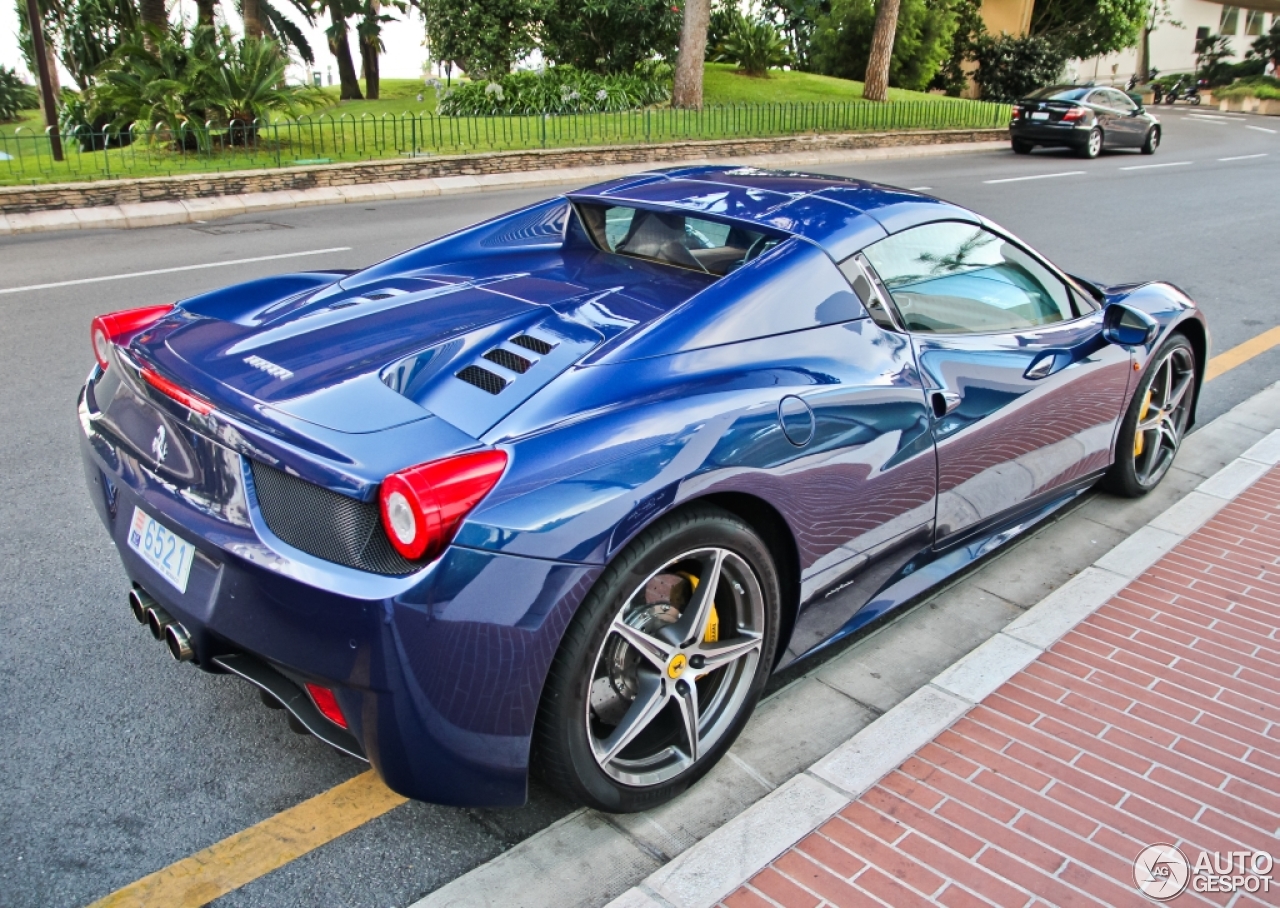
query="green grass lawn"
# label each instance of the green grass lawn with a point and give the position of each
(398, 126)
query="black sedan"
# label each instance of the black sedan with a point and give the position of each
(1083, 117)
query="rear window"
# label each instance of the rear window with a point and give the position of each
(1058, 93)
(674, 238)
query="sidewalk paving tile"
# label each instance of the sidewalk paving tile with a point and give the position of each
(1156, 719)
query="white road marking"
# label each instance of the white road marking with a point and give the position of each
(1244, 157)
(1038, 176)
(1262, 129)
(1150, 166)
(1209, 116)
(1201, 118)
(920, 188)
(121, 277)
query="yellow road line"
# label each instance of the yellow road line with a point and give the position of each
(258, 850)
(1239, 355)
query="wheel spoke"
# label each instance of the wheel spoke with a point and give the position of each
(1151, 422)
(1169, 434)
(650, 698)
(1180, 391)
(715, 657)
(1167, 369)
(686, 697)
(693, 623)
(657, 652)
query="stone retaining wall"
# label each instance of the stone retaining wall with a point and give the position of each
(52, 197)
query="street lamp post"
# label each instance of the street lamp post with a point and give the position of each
(46, 83)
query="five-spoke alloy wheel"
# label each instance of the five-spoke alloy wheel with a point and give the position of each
(1158, 418)
(663, 663)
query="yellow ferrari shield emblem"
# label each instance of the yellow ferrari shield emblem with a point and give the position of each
(675, 668)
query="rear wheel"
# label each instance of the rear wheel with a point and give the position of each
(1092, 146)
(1020, 146)
(1156, 420)
(663, 664)
(1152, 141)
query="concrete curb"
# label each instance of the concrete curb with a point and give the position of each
(701, 872)
(701, 876)
(198, 211)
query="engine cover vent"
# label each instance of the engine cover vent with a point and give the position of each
(540, 347)
(508, 360)
(483, 379)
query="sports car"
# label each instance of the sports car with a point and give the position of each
(559, 491)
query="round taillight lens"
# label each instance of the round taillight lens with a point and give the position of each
(404, 526)
(101, 347)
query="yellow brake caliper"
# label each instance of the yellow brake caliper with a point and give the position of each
(712, 633)
(1140, 440)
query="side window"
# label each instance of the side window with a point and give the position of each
(1120, 101)
(854, 272)
(954, 278)
(1098, 99)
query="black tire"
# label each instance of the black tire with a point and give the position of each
(1152, 140)
(1139, 466)
(1092, 146)
(1195, 100)
(566, 751)
(1021, 146)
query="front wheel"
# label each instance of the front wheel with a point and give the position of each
(1092, 146)
(1152, 141)
(662, 665)
(1156, 420)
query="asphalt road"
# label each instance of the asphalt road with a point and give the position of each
(118, 762)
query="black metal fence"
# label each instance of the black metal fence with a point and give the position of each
(138, 151)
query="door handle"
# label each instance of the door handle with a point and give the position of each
(944, 402)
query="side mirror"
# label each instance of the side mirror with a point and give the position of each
(1128, 327)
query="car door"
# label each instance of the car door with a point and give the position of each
(1106, 116)
(1025, 393)
(1130, 128)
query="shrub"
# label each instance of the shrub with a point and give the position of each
(15, 95)
(754, 45)
(1264, 87)
(559, 90)
(1011, 67)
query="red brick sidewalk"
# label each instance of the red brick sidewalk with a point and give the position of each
(1157, 720)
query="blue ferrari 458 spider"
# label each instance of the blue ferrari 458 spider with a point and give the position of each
(558, 492)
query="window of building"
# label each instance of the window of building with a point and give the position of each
(1229, 24)
(1253, 22)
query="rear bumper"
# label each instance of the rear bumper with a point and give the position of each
(1071, 134)
(438, 674)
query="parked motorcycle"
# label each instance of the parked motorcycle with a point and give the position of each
(1185, 89)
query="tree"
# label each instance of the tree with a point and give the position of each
(924, 31)
(371, 47)
(1268, 46)
(1158, 13)
(970, 28)
(1089, 28)
(155, 15)
(484, 39)
(796, 19)
(340, 45)
(687, 90)
(876, 84)
(81, 34)
(251, 17)
(755, 45)
(1010, 67)
(608, 36)
(205, 12)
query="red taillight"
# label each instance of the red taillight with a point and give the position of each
(169, 389)
(423, 505)
(106, 328)
(327, 703)
(1074, 113)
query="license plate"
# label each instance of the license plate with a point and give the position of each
(1040, 115)
(169, 554)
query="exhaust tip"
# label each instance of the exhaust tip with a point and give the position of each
(139, 602)
(178, 639)
(157, 620)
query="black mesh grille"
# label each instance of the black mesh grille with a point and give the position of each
(508, 360)
(326, 524)
(483, 379)
(540, 347)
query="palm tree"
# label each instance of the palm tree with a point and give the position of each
(155, 14)
(687, 90)
(876, 86)
(251, 16)
(340, 45)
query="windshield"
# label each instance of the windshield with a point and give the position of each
(1058, 93)
(674, 238)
